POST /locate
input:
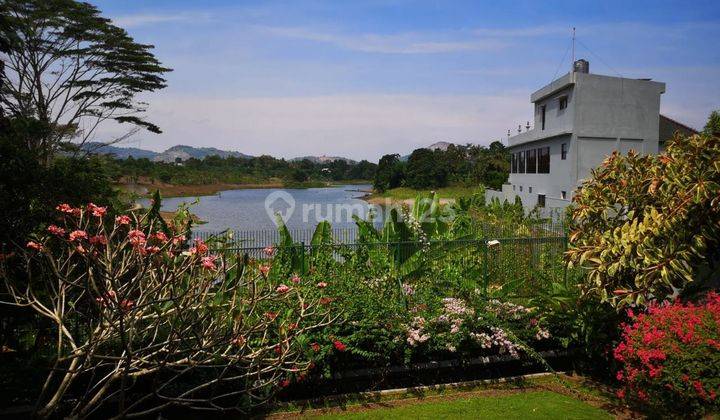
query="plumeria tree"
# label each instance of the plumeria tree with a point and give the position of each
(145, 320)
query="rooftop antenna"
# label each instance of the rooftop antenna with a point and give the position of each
(572, 63)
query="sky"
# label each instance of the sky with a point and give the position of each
(364, 78)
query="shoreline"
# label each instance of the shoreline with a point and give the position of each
(199, 190)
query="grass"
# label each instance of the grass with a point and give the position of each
(406, 194)
(525, 405)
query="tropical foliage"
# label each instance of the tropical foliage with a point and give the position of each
(647, 226)
(144, 322)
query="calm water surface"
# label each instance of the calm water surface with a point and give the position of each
(253, 209)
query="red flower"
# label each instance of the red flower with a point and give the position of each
(339, 346)
(137, 238)
(264, 269)
(97, 211)
(78, 234)
(284, 383)
(271, 315)
(160, 236)
(65, 208)
(282, 289)
(199, 248)
(322, 285)
(315, 347)
(122, 220)
(295, 279)
(269, 251)
(98, 240)
(34, 245)
(56, 230)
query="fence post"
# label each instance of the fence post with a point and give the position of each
(302, 259)
(486, 275)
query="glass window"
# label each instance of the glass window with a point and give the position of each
(521, 162)
(530, 190)
(531, 166)
(563, 102)
(513, 163)
(563, 151)
(563, 195)
(543, 160)
(541, 200)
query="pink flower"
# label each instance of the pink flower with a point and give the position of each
(34, 245)
(98, 240)
(178, 240)
(209, 262)
(265, 269)
(339, 346)
(325, 300)
(269, 251)
(238, 341)
(136, 237)
(152, 250)
(282, 289)
(322, 285)
(65, 208)
(122, 220)
(127, 304)
(97, 211)
(160, 236)
(284, 383)
(295, 279)
(199, 248)
(56, 230)
(315, 347)
(78, 234)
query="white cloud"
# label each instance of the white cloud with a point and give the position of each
(131, 21)
(404, 43)
(357, 126)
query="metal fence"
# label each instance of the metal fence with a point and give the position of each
(350, 235)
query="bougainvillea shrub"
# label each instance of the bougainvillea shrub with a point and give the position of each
(671, 357)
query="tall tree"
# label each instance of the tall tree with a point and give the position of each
(73, 70)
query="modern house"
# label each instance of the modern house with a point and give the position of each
(579, 120)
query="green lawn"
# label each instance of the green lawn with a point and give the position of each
(526, 405)
(404, 193)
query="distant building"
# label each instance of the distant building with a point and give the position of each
(579, 120)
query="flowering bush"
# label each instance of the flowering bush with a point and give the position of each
(131, 302)
(671, 357)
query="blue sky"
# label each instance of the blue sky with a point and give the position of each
(366, 78)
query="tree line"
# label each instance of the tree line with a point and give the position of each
(457, 165)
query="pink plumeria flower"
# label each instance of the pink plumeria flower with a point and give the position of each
(265, 269)
(271, 315)
(65, 208)
(97, 211)
(322, 285)
(56, 230)
(122, 220)
(34, 245)
(137, 238)
(160, 236)
(282, 289)
(295, 279)
(98, 240)
(78, 234)
(152, 249)
(199, 248)
(209, 262)
(178, 240)
(269, 251)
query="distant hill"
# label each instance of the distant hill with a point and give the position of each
(187, 152)
(442, 145)
(118, 152)
(169, 155)
(322, 159)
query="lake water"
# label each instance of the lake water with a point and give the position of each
(254, 209)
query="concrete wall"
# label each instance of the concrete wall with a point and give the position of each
(557, 180)
(554, 207)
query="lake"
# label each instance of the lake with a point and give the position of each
(254, 209)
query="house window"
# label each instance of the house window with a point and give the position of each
(521, 188)
(542, 116)
(563, 151)
(521, 162)
(563, 102)
(530, 190)
(563, 195)
(543, 160)
(541, 200)
(513, 188)
(513, 163)
(531, 167)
